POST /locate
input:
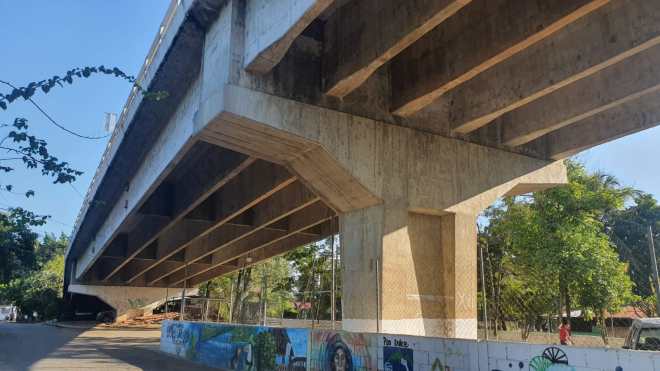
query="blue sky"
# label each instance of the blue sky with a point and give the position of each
(43, 38)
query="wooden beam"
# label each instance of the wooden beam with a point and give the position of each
(218, 169)
(619, 84)
(288, 201)
(363, 35)
(272, 26)
(615, 123)
(256, 183)
(582, 49)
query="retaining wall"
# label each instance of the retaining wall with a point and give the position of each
(239, 347)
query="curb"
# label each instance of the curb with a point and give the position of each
(69, 326)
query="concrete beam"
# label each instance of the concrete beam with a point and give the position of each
(619, 84)
(149, 225)
(298, 223)
(219, 168)
(363, 35)
(248, 188)
(371, 158)
(483, 34)
(265, 252)
(288, 201)
(580, 50)
(271, 26)
(615, 123)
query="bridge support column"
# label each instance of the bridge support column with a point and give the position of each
(409, 273)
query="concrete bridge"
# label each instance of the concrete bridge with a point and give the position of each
(393, 123)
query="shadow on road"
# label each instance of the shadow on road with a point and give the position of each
(22, 345)
(39, 347)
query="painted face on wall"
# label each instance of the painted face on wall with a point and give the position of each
(340, 360)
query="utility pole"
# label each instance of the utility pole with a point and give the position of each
(654, 265)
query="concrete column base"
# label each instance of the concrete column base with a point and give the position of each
(410, 273)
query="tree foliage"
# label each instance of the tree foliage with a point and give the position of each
(31, 271)
(550, 252)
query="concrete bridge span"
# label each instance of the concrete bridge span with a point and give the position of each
(393, 123)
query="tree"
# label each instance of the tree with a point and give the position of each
(39, 290)
(628, 229)
(552, 247)
(17, 245)
(311, 281)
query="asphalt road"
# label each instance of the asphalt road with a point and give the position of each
(41, 347)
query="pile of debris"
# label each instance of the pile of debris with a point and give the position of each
(145, 320)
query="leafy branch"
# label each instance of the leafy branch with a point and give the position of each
(33, 152)
(26, 92)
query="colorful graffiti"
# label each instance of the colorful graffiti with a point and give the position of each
(240, 348)
(341, 351)
(552, 359)
(397, 355)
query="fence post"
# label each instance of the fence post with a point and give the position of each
(483, 289)
(654, 265)
(183, 293)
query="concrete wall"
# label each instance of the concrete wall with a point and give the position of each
(236, 347)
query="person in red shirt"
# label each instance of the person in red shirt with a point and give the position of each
(565, 332)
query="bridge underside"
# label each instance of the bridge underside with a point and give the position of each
(217, 211)
(392, 122)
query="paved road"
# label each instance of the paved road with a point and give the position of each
(40, 347)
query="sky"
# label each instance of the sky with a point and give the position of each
(43, 38)
(39, 39)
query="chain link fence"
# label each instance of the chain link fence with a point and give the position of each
(508, 310)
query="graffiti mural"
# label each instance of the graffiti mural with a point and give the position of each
(342, 351)
(397, 355)
(552, 359)
(240, 348)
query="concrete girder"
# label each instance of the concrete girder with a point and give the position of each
(297, 224)
(582, 49)
(271, 250)
(361, 36)
(220, 167)
(271, 27)
(483, 34)
(619, 121)
(136, 241)
(277, 207)
(247, 188)
(624, 82)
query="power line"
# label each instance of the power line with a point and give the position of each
(53, 120)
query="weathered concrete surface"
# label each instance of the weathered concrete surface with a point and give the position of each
(123, 298)
(272, 26)
(426, 71)
(582, 49)
(37, 347)
(364, 35)
(624, 82)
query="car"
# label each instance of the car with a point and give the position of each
(644, 334)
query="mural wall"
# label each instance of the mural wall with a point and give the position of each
(239, 347)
